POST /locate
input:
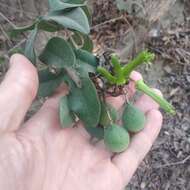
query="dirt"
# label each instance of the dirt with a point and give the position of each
(167, 166)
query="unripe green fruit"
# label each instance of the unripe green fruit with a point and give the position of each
(133, 118)
(97, 132)
(107, 111)
(116, 138)
(87, 57)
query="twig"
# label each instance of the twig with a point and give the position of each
(174, 163)
(21, 8)
(107, 22)
(5, 18)
(134, 36)
(17, 45)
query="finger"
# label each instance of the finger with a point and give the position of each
(128, 161)
(135, 76)
(17, 92)
(145, 103)
(47, 118)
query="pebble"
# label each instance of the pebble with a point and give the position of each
(143, 185)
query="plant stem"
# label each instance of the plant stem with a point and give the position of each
(143, 57)
(116, 64)
(164, 104)
(107, 75)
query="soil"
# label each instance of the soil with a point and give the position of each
(167, 166)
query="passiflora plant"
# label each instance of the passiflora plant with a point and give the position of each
(71, 60)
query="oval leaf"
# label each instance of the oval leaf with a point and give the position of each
(84, 68)
(88, 43)
(49, 26)
(74, 19)
(74, 1)
(86, 57)
(66, 117)
(85, 8)
(29, 51)
(41, 24)
(82, 41)
(58, 53)
(56, 5)
(84, 102)
(48, 82)
(17, 30)
(96, 132)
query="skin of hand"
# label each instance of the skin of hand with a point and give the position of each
(39, 155)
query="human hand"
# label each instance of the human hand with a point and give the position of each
(39, 155)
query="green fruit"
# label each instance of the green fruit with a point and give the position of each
(87, 57)
(107, 111)
(116, 138)
(133, 118)
(97, 132)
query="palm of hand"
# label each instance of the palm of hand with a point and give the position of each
(41, 155)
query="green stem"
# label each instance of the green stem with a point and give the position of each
(116, 64)
(107, 75)
(164, 104)
(143, 57)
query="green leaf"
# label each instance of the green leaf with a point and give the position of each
(2, 60)
(88, 14)
(49, 26)
(108, 114)
(48, 82)
(66, 117)
(74, 75)
(29, 51)
(17, 50)
(86, 57)
(74, 1)
(82, 41)
(97, 132)
(85, 8)
(84, 102)
(16, 31)
(88, 43)
(58, 53)
(84, 68)
(56, 5)
(74, 19)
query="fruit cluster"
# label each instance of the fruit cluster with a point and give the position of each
(117, 138)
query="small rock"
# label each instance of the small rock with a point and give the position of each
(188, 78)
(143, 185)
(167, 133)
(174, 91)
(168, 69)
